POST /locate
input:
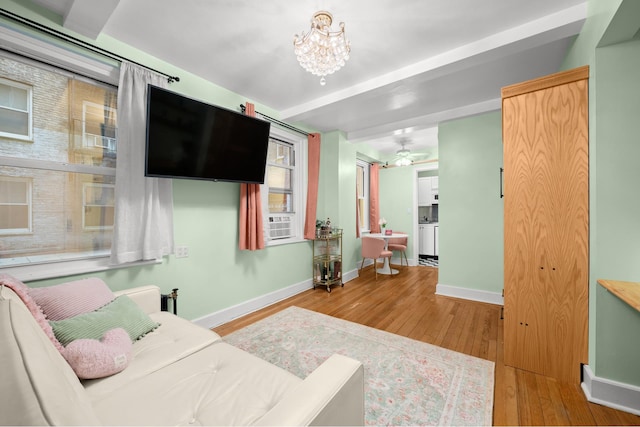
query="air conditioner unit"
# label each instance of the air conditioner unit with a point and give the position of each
(281, 226)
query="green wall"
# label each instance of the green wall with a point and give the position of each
(336, 200)
(614, 208)
(347, 203)
(470, 207)
(396, 201)
(617, 224)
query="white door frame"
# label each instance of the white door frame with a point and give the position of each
(416, 237)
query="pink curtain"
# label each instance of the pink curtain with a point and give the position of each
(374, 198)
(251, 235)
(313, 150)
(357, 215)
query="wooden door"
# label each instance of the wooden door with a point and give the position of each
(545, 136)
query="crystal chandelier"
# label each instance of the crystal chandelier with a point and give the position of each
(322, 51)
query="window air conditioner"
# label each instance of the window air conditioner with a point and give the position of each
(281, 226)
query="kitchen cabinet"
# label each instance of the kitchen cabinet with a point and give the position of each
(546, 224)
(424, 191)
(430, 240)
(427, 190)
(434, 190)
(427, 239)
(435, 239)
(434, 183)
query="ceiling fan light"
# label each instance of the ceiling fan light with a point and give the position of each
(404, 161)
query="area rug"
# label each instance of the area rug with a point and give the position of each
(407, 382)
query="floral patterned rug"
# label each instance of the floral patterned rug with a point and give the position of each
(407, 382)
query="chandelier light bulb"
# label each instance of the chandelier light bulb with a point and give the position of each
(321, 51)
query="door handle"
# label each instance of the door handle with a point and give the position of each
(501, 173)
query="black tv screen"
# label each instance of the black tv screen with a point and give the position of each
(191, 139)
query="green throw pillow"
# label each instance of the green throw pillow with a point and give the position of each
(122, 312)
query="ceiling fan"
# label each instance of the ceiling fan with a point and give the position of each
(404, 156)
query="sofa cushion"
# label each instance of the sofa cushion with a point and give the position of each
(119, 313)
(72, 298)
(175, 339)
(218, 385)
(99, 358)
(19, 290)
(38, 385)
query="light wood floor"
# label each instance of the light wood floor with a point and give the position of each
(406, 305)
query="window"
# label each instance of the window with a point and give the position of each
(98, 206)
(362, 189)
(98, 126)
(15, 109)
(56, 192)
(284, 190)
(15, 205)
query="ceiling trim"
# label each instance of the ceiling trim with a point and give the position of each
(624, 26)
(89, 18)
(427, 121)
(562, 24)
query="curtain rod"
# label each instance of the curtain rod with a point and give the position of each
(276, 121)
(76, 41)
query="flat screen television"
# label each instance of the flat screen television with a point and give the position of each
(191, 139)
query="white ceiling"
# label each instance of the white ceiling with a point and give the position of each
(414, 63)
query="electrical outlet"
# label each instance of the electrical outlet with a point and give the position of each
(182, 251)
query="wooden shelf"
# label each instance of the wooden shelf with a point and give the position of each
(628, 292)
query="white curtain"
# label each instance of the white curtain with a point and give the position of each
(143, 228)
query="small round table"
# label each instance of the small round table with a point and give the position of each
(386, 267)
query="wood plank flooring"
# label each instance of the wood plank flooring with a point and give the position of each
(406, 305)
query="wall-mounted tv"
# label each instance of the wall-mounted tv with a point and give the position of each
(191, 139)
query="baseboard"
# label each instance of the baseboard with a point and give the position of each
(401, 261)
(470, 294)
(227, 314)
(617, 395)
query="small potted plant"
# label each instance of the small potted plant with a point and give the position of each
(382, 223)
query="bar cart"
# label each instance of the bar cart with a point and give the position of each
(327, 258)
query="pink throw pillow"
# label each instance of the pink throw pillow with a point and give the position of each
(22, 291)
(70, 299)
(91, 358)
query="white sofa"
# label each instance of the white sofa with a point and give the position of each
(180, 374)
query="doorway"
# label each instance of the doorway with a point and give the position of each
(425, 216)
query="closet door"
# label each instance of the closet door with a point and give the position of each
(545, 136)
(525, 227)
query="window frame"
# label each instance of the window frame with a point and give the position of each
(59, 59)
(29, 111)
(85, 104)
(29, 203)
(365, 228)
(299, 188)
(290, 167)
(86, 185)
